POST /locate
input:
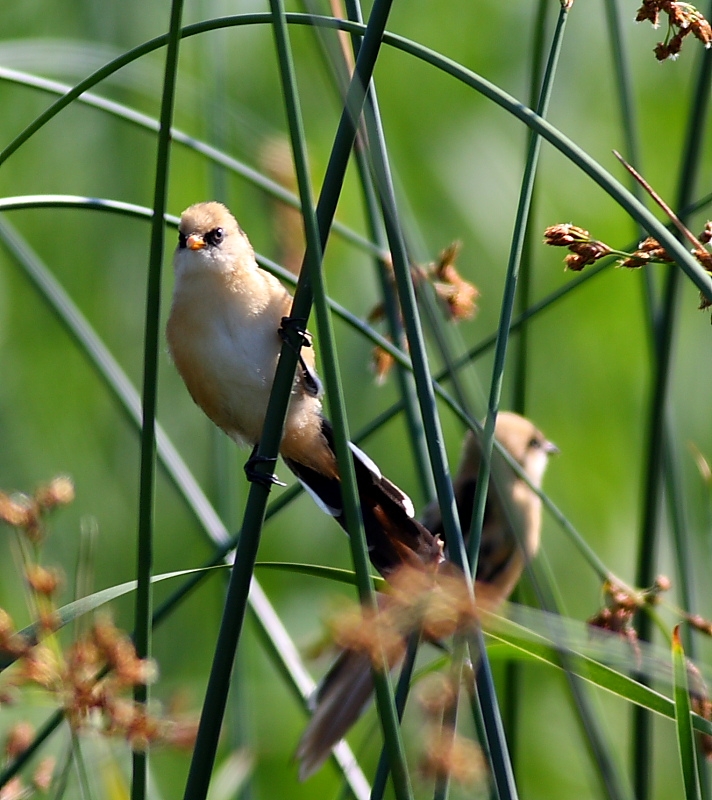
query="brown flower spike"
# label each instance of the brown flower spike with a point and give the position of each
(683, 19)
(88, 679)
(584, 249)
(458, 296)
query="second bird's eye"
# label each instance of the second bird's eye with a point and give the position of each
(215, 236)
(182, 239)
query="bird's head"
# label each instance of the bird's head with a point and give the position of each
(526, 443)
(209, 238)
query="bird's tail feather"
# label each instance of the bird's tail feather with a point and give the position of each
(338, 702)
(393, 535)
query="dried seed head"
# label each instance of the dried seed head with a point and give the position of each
(13, 790)
(381, 362)
(458, 294)
(448, 755)
(42, 778)
(704, 257)
(701, 624)
(143, 731)
(180, 733)
(662, 583)
(15, 511)
(58, 492)
(43, 580)
(19, 738)
(39, 665)
(584, 249)
(565, 234)
(436, 694)
(369, 631)
(683, 19)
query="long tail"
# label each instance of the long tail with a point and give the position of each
(337, 703)
(393, 535)
(394, 538)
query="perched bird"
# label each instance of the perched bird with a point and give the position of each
(510, 537)
(224, 337)
(512, 521)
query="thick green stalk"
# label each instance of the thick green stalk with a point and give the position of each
(142, 626)
(509, 294)
(390, 302)
(332, 378)
(511, 703)
(213, 709)
(380, 779)
(665, 325)
(406, 294)
(241, 576)
(485, 684)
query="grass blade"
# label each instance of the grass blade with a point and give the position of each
(683, 720)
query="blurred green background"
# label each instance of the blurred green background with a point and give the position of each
(458, 162)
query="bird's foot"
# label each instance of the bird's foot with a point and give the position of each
(296, 324)
(256, 476)
(311, 382)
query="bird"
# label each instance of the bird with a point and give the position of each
(510, 538)
(225, 333)
(511, 529)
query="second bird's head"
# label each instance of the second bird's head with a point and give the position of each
(209, 238)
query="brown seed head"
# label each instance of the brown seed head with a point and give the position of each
(13, 790)
(369, 631)
(39, 665)
(14, 511)
(701, 624)
(448, 755)
(43, 580)
(662, 583)
(19, 738)
(181, 733)
(649, 11)
(565, 234)
(42, 778)
(436, 694)
(381, 362)
(58, 492)
(143, 731)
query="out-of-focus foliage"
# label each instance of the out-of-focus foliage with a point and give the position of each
(458, 161)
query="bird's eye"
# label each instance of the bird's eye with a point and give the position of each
(534, 443)
(215, 236)
(182, 239)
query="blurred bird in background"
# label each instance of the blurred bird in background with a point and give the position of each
(510, 538)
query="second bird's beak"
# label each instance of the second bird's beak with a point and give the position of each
(550, 448)
(195, 242)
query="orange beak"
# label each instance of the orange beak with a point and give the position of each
(195, 242)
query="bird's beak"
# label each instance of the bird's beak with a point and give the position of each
(550, 448)
(195, 242)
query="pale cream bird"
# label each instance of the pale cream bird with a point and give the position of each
(510, 538)
(224, 336)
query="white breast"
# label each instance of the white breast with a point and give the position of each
(226, 350)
